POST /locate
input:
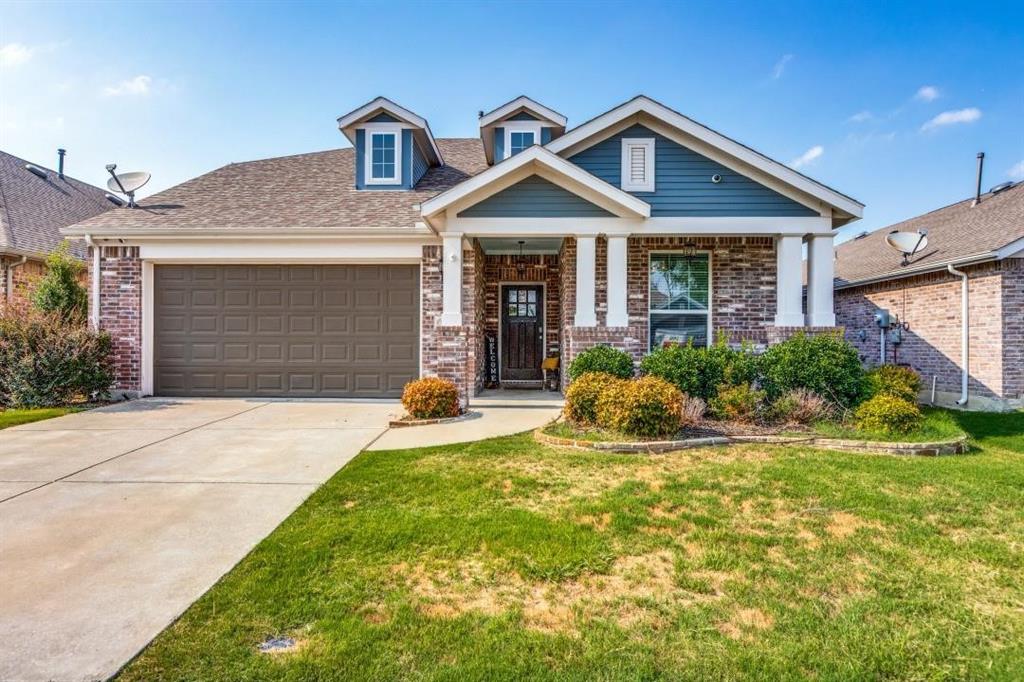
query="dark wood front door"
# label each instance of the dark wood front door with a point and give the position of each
(522, 332)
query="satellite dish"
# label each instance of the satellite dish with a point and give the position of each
(907, 243)
(126, 183)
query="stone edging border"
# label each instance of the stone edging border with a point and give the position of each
(402, 423)
(949, 447)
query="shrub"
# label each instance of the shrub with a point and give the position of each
(888, 414)
(48, 360)
(899, 382)
(612, 404)
(825, 364)
(648, 407)
(58, 291)
(699, 371)
(431, 398)
(736, 403)
(605, 359)
(692, 410)
(582, 395)
(800, 406)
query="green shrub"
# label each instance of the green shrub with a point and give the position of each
(739, 403)
(605, 359)
(58, 290)
(431, 398)
(48, 360)
(899, 382)
(888, 414)
(800, 406)
(582, 395)
(699, 371)
(647, 407)
(825, 364)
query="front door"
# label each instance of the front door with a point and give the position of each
(522, 332)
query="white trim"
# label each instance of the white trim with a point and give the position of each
(617, 255)
(586, 284)
(346, 121)
(564, 227)
(366, 251)
(741, 152)
(523, 102)
(1014, 249)
(510, 127)
(647, 144)
(544, 319)
(396, 134)
(789, 281)
(451, 280)
(567, 175)
(820, 278)
(146, 371)
(711, 290)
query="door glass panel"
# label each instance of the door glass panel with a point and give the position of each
(522, 310)
(531, 309)
(531, 296)
(512, 309)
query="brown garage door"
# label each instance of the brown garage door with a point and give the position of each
(347, 331)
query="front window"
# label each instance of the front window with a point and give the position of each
(518, 141)
(680, 299)
(383, 157)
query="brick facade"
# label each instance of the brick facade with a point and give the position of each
(500, 269)
(929, 305)
(121, 312)
(22, 278)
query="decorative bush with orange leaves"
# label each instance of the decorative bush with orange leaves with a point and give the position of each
(431, 398)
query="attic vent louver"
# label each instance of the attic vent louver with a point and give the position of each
(35, 170)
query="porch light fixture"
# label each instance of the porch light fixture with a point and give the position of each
(521, 260)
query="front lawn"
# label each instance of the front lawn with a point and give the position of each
(505, 559)
(10, 418)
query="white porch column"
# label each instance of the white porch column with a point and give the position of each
(820, 273)
(617, 285)
(451, 284)
(788, 282)
(586, 298)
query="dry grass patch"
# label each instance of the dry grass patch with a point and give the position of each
(746, 624)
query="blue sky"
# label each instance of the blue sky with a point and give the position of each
(888, 103)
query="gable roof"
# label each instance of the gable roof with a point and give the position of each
(348, 122)
(959, 233)
(34, 209)
(264, 195)
(523, 103)
(723, 149)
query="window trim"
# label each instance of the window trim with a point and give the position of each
(368, 178)
(711, 288)
(519, 127)
(648, 144)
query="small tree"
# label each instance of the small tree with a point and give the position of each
(58, 290)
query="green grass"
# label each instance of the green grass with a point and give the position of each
(938, 425)
(507, 560)
(10, 418)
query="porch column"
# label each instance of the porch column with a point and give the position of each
(820, 273)
(451, 283)
(788, 282)
(617, 285)
(586, 298)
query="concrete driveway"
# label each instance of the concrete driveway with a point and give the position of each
(113, 521)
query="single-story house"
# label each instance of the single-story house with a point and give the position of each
(974, 253)
(35, 203)
(347, 273)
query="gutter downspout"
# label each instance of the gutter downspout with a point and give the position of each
(9, 288)
(965, 336)
(94, 313)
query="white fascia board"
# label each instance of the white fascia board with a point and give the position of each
(745, 154)
(1014, 249)
(347, 122)
(648, 227)
(171, 233)
(523, 102)
(541, 158)
(364, 251)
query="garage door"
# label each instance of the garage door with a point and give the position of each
(348, 331)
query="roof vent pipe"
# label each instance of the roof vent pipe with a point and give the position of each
(977, 190)
(60, 162)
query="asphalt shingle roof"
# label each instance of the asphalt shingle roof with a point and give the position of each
(315, 190)
(955, 232)
(33, 209)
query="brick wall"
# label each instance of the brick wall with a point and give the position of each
(121, 311)
(930, 305)
(23, 278)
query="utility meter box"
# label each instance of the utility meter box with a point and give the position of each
(882, 319)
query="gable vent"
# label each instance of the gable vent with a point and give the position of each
(638, 165)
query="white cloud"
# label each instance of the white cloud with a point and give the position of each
(13, 54)
(140, 85)
(808, 156)
(948, 118)
(927, 93)
(860, 117)
(1017, 171)
(780, 66)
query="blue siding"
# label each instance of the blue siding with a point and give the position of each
(419, 164)
(499, 144)
(534, 197)
(682, 181)
(360, 159)
(523, 116)
(545, 135)
(383, 118)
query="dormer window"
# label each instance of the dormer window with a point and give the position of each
(384, 160)
(518, 140)
(638, 164)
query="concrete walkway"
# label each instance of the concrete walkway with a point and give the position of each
(113, 521)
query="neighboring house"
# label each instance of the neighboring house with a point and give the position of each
(349, 272)
(35, 203)
(983, 240)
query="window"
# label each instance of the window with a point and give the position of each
(518, 141)
(519, 135)
(679, 299)
(638, 165)
(383, 165)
